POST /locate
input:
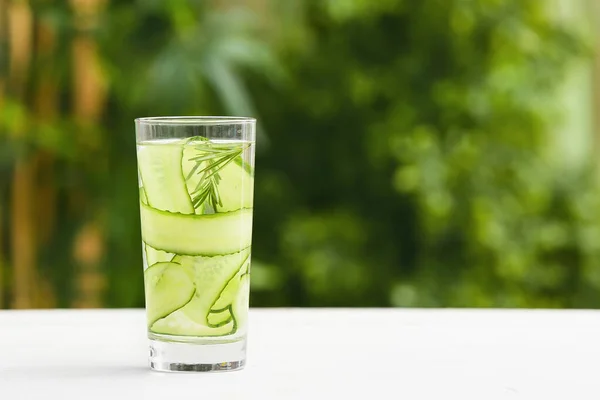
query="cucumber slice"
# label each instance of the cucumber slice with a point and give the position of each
(236, 186)
(178, 323)
(162, 178)
(217, 319)
(168, 287)
(210, 234)
(228, 294)
(239, 307)
(211, 276)
(154, 256)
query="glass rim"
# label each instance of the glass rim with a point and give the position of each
(195, 120)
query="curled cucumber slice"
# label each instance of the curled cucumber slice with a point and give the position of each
(154, 256)
(220, 318)
(239, 307)
(162, 177)
(229, 294)
(178, 323)
(211, 276)
(168, 287)
(208, 235)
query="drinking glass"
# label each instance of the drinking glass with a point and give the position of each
(196, 185)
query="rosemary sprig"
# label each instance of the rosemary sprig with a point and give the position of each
(211, 158)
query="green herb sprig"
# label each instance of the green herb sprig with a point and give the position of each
(211, 158)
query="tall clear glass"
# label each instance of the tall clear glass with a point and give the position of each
(196, 184)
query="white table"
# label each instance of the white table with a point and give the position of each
(314, 354)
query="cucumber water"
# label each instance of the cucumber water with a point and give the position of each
(196, 198)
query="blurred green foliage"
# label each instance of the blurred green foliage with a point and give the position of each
(408, 161)
(403, 150)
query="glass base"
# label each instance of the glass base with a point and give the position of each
(168, 356)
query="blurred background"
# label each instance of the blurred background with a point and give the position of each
(428, 153)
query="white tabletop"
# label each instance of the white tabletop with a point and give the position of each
(314, 354)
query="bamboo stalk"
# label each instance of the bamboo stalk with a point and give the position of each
(23, 241)
(88, 249)
(3, 36)
(89, 98)
(89, 82)
(20, 28)
(46, 110)
(20, 31)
